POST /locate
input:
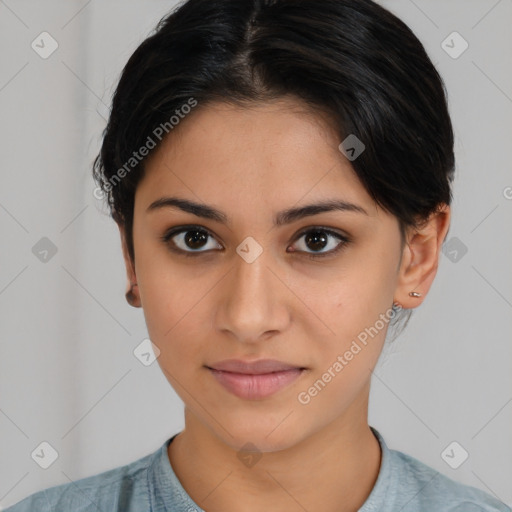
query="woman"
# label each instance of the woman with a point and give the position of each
(280, 175)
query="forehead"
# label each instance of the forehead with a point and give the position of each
(269, 153)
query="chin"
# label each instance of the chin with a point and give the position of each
(258, 437)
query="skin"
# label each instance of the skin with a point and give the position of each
(251, 163)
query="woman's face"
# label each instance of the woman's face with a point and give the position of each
(249, 288)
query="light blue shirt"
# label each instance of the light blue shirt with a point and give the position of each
(149, 484)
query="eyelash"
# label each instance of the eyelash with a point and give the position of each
(344, 240)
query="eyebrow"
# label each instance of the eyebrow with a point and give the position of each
(283, 217)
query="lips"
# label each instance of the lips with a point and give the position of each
(253, 367)
(254, 380)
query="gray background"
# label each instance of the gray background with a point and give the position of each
(68, 375)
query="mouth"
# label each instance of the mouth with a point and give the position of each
(258, 367)
(255, 380)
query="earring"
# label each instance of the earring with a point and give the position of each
(130, 296)
(415, 294)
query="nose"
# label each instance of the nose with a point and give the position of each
(253, 304)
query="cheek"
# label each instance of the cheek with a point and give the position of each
(344, 361)
(356, 307)
(167, 293)
(172, 314)
(174, 310)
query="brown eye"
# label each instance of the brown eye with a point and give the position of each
(319, 239)
(189, 240)
(194, 239)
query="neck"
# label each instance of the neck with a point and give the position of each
(336, 466)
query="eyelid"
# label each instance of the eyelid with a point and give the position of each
(344, 239)
(166, 238)
(185, 227)
(327, 229)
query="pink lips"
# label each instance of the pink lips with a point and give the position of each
(254, 380)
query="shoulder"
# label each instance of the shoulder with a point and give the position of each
(122, 488)
(406, 484)
(419, 487)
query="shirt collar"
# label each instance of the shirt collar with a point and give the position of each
(168, 495)
(165, 490)
(378, 495)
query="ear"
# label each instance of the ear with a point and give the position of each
(420, 258)
(132, 289)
